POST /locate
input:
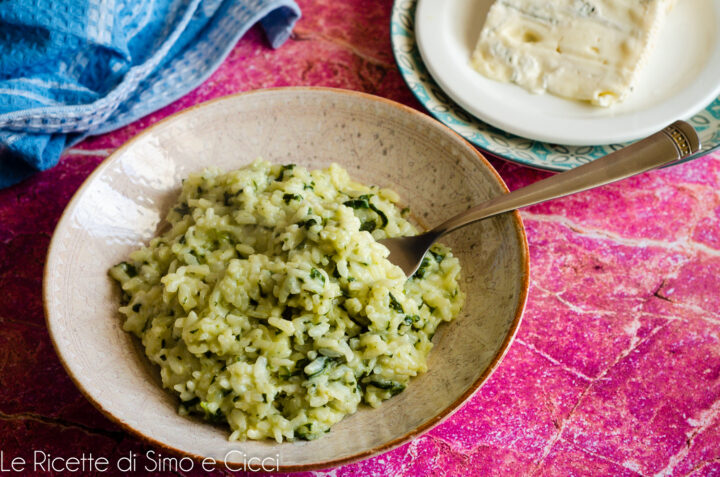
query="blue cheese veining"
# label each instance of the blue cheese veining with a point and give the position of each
(588, 50)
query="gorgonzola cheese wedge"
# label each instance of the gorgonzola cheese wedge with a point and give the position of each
(588, 50)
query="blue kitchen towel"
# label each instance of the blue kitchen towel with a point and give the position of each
(74, 68)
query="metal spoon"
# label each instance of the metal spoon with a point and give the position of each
(673, 143)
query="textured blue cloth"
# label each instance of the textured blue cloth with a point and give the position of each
(73, 68)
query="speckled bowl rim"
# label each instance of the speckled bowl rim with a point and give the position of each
(421, 429)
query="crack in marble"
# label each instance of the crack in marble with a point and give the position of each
(116, 436)
(222, 471)
(367, 83)
(681, 245)
(699, 199)
(705, 419)
(307, 35)
(15, 235)
(632, 330)
(456, 448)
(569, 304)
(714, 318)
(41, 233)
(321, 473)
(699, 192)
(547, 402)
(622, 355)
(88, 152)
(601, 457)
(635, 325)
(702, 465)
(554, 361)
(412, 451)
(459, 454)
(694, 308)
(657, 293)
(466, 455)
(23, 323)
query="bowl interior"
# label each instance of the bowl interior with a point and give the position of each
(122, 204)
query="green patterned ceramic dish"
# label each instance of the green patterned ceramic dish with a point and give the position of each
(517, 149)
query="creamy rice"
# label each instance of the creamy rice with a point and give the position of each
(269, 305)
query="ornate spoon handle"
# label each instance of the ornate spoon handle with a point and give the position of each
(664, 147)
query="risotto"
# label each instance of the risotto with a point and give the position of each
(268, 303)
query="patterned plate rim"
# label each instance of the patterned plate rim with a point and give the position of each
(499, 143)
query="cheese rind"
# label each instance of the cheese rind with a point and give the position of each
(588, 50)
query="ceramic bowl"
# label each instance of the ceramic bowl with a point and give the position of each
(122, 205)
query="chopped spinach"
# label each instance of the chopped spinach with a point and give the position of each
(284, 372)
(315, 274)
(307, 223)
(216, 416)
(304, 432)
(283, 169)
(368, 226)
(395, 305)
(128, 268)
(316, 366)
(362, 321)
(410, 319)
(192, 402)
(382, 215)
(437, 256)
(228, 197)
(288, 197)
(431, 308)
(393, 386)
(423, 268)
(362, 202)
(289, 312)
(183, 209)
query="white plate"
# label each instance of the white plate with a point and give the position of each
(682, 76)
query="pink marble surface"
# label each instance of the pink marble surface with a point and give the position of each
(616, 369)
